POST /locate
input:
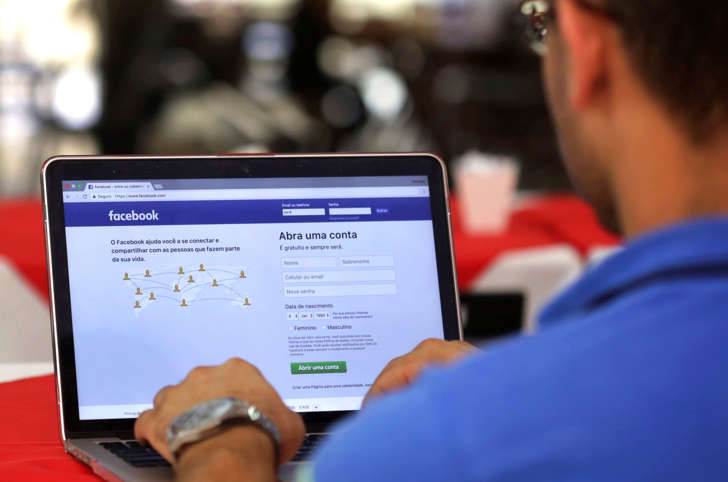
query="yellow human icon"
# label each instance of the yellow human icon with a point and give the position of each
(191, 280)
(214, 283)
(147, 274)
(202, 267)
(151, 296)
(247, 303)
(181, 271)
(137, 305)
(126, 277)
(176, 288)
(242, 274)
(184, 302)
(139, 291)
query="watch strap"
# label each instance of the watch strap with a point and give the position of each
(238, 412)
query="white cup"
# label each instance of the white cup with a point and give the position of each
(486, 188)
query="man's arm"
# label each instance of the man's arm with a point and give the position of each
(239, 453)
(246, 452)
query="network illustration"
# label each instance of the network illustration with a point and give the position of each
(185, 286)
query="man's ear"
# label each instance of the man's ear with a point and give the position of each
(585, 36)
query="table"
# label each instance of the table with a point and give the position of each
(30, 447)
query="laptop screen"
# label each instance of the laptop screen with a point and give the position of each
(319, 282)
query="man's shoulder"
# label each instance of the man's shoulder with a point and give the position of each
(611, 395)
(628, 386)
(636, 381)
(653, 326)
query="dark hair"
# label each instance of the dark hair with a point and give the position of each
(680, 48)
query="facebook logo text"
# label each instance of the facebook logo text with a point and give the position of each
(134, 216)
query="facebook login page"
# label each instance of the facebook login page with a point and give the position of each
(318, 282)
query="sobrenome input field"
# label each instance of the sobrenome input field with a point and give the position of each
(340, 290)
(338, 276)
(369, 261)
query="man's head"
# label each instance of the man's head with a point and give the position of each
(613, 65)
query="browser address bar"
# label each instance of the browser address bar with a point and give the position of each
(253, 194)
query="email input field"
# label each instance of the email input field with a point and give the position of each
(338, 276)
(340, 290)
(304, 212)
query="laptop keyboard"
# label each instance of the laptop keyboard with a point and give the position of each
(140, 455)
(309, 445)
(136, 454)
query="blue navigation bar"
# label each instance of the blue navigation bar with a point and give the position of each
(161, 213)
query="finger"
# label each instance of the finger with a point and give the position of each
(198, 373)
(240, 364)
(373, 393)
(161, 396)
(142, 425)
(434, 350)
(429, 346)
(464, 346)
(293, 430)
(393, 364)
(400, 375)
(384, 374)
(147, 430)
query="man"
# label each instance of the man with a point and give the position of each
(626, 380)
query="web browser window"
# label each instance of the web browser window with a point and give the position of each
(319, 282)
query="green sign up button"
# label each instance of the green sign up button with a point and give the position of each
(318, 367)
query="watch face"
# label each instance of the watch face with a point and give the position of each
(205, 413)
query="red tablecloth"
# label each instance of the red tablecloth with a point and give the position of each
(542, 222)
(30, 447)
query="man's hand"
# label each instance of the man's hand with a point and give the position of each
(236, 378)
(404, 370)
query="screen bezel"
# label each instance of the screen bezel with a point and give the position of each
(58, 169)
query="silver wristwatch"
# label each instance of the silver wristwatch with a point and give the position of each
(210, 418)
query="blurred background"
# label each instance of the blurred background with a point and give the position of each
(173, 77)
(212, 76)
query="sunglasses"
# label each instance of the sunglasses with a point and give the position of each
(541, 15)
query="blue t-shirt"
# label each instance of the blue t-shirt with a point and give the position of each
(628, 380)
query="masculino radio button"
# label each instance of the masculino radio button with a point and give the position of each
(309, 368)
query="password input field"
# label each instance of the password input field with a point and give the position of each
(338, 276)
(339, 290)
(350, 211)
(305, 212)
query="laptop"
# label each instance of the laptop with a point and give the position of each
(318, 269)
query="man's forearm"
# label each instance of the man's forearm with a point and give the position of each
(241, 453)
